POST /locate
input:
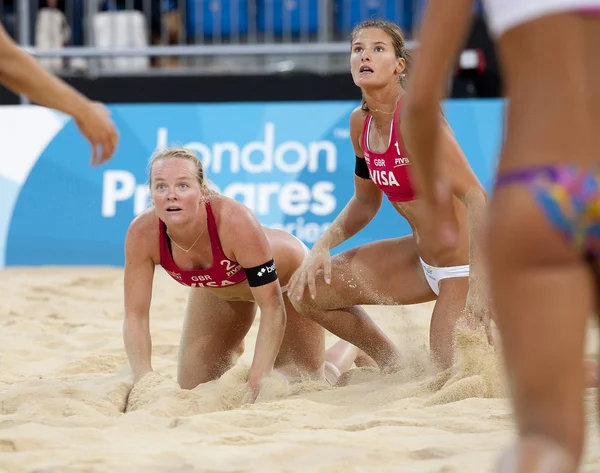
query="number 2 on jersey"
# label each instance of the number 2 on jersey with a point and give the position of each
(229, 265)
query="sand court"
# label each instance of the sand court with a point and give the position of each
(67, 403)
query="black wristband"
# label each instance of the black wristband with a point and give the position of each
(261, 274)
(361, 169)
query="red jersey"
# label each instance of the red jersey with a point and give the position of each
(389, 170)
(223, 271)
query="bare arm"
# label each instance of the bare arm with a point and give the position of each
(445, 26)
(139, 274)
(22, 74)
(243, 234)
(362, 206)
(271, 330)
(358, 212)
(466, 186)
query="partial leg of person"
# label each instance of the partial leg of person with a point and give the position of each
(383, 272)
(591, 25)
(212, 334)
(343, 355)
(302, 351)
(540, 286)
(340, 357)
(448, 309)
(541, 304)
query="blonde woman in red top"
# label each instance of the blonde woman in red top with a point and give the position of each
(216, 246)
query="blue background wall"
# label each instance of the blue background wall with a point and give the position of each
(291, 162)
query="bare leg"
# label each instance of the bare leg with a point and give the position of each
(591, 25)
(448, 309)
(396, 278)
(343, 355)
(340, 357)
(302, 351)
(591, 373)
(541, 288)
(212, 335)
(362, 360)
(537, 454)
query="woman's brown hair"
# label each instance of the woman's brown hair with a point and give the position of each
(399, 44)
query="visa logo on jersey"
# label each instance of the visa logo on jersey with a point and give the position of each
(384, 178)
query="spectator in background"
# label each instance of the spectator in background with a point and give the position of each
(163, 19)
(52, 31)
(483, 80)
(170, 33)
(8, 17)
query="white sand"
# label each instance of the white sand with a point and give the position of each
(64, 384)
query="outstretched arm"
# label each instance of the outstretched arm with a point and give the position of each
(22, 74)
(443, 32)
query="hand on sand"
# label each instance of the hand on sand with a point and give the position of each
(318, 258)
(93, 120)
(251, 394)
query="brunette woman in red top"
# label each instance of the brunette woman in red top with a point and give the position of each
(215, 245)
(404, 270)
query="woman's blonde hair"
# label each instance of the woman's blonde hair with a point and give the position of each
(182, 153)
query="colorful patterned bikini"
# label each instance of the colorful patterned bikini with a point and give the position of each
(569, 195)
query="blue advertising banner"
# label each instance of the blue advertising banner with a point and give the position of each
(292, 164)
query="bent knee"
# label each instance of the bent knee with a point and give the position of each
(194, 371)
(306, 305)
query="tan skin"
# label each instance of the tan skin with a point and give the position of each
(547, 292)
(22, 74)
(543, 289)
(218, 319)
(389, 271)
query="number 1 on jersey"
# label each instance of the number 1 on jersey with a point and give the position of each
(397, 148)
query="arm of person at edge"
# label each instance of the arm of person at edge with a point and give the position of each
(443, 32)
(358, 212)
(22, 74)
(243, 235)
(139, 274)
(463, 183)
